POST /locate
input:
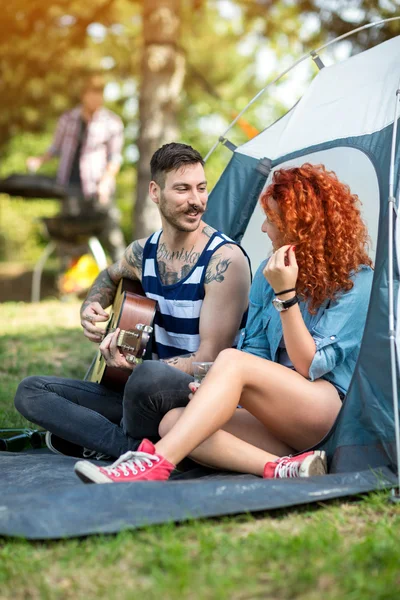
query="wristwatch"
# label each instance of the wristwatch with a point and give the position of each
(282, 305)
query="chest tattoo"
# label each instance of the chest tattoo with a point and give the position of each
(175, 265)
(185, 256)
(169, 276)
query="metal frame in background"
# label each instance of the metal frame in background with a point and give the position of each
(313, 54)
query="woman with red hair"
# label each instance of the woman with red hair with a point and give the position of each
(280, 392)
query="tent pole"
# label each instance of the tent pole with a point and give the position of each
(392, 332)
(310, 54)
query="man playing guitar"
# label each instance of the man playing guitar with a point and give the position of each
(200, 280)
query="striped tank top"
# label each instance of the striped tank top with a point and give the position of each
(176, 323)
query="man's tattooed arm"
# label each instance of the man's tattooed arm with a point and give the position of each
(102, 291)
(134, 257)
(217, 267)
(183, 362)
(130, 266)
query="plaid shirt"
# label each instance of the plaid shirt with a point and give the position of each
(102, 144)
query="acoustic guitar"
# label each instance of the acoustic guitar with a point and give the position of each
(133, 313)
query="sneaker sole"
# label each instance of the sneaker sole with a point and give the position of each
(47, 439)
(315, 464)
(50, 446)
(322, 455)
(89, 473)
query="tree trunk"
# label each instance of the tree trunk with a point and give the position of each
(162, 76)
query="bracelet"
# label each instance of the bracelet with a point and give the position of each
(285, 291)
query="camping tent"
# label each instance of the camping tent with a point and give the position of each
(345, 121)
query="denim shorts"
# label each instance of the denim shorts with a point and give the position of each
(342, 395)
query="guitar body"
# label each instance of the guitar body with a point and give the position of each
(133, 313)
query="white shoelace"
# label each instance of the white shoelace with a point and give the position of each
(287, 469)
(128, 462)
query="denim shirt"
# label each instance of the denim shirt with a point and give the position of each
(337, 328)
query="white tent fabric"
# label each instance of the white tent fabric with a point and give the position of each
(315, 119)
(265, 143)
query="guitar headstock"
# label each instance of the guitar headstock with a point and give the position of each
(134, 342)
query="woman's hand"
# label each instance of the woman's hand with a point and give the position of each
(281, 270)
(193, 387)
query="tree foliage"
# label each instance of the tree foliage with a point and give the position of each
(46, 44)
(209, 59)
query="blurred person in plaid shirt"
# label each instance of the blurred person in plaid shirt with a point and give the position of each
(88, 141)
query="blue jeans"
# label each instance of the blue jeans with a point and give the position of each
(98, 418)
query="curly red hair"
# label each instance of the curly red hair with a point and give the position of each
(321, 217)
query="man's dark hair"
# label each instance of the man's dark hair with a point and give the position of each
(171, 157)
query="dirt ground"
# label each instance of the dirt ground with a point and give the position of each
(16, 284)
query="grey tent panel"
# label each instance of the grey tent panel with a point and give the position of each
(233, 199)
(41, 497)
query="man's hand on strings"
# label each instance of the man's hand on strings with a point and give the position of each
(92, 314)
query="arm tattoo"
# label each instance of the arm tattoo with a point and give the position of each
(134, 256)
(216, 269)
(102, 291)
(175, 359)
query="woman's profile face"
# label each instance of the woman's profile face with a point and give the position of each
(269, 228)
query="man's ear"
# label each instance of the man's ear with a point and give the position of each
(154, 192)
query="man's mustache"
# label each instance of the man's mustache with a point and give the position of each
(195, 208)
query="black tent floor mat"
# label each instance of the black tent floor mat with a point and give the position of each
(41, 497)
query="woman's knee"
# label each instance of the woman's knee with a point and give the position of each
(229, 356)
(169, 420)
(229, 362)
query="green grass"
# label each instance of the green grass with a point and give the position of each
(340, 550)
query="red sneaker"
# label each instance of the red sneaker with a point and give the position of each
(142, 465)
(302, 465)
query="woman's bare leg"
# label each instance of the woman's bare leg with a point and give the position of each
(243, 445)
(294, 410)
